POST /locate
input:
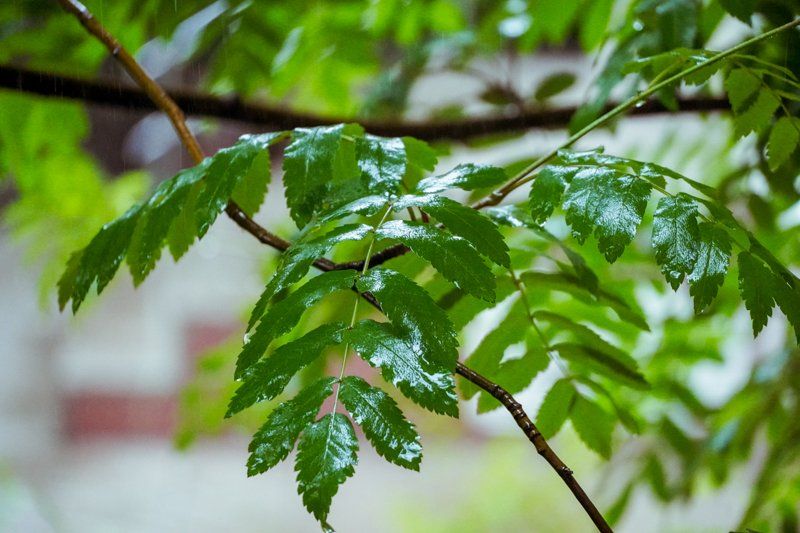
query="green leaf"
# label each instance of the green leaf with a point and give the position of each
(405, 365)
(465, 222)
(158, 215)
(297, 260)
(713, 256)
(227, 169)
(183, 230)
(758, 115)
(66, 283)
(347, 182)
(326, 457)
(251, 190)
(100, 259)
(554, 84)
(788, 298)
(179, 210)
(284, 315)
(753, 107)
(595, 22)
(382, 162)
(608, 202)
(308, 168)
(589, 338)
(515, 376)
(486, 357)
(783, 140)
(592, 424)
(547, 189)
(757, 288)
(421, 158)
(555, 408)
(742, 87)
(601, 362)
(571, 284)
(452, 256)
(412, 311)
(515, 217)
(366, 206)
(268, 377)
(467, 176)
(675, 236)
(512, 216)
(272, 443)
(384, 425)
(462, 308)
(741, 9)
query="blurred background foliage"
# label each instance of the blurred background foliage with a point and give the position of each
(363, 59)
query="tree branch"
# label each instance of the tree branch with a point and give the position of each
(273, 118)
(165, 103)
(539, 442)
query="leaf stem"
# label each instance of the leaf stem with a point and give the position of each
(355, 304)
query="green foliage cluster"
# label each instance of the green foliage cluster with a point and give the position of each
(551, 305)
(601, 195)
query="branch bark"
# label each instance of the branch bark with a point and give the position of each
(273, 118)
(163, 101)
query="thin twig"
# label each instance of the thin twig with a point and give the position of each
(165, 103)
(273, 118)
(538, 441)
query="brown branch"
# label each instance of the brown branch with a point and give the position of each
(165, 103)
(539, 442)
(273, 118)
